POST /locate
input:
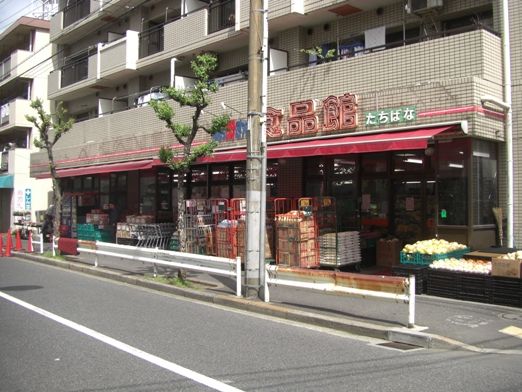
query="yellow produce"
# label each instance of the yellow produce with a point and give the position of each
(463, 265)
(433, 246)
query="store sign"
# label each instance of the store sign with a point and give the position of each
(28, 199)
(235, 130)
(391, 116)
(337, 113)
(19, 201)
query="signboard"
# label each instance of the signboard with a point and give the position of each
(19, 200)
(27, 204)
(390, 116)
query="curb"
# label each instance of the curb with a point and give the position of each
(394, 334)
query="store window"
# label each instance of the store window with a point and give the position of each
(374, 164)
(315, 172)
(485, 185)
(147, 193)
(118, 190)
(408, 162)
(164, 189)
(272, 170)
(239, 184)
(344, 190)
(198, 182)
(219, 175)
(452, 182)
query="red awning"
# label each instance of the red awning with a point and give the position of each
(108, 168)
(390, 141)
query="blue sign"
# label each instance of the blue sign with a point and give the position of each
(28, 199)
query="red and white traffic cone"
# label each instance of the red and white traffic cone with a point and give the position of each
(30, 242)
(18, 243)
(1, 245)
(9, 244)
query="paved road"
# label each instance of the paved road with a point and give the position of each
(139, 340)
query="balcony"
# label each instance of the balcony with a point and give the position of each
(12, 114)
(436, 76)
(221, 15)
(118, 58)
(152, 41)
(75, 11)
(16, 64)
(78, 72)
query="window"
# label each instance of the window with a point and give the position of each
(485, 186)
(452, 182)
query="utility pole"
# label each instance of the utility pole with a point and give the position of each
(255, 189)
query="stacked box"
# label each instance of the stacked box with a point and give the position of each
(226, 239)
(340, 249)
(91, 232)
(507, 268)
(388, 252)
(139, 219)
(97, 218)
(297, 244)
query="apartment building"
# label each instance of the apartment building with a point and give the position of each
(391, 122)
(25, 55)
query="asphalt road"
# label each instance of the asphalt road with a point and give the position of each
(105, 336)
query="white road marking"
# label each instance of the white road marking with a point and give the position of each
(512, 331)
(182, 371)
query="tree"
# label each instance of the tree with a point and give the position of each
(198, 98)
(50, 129)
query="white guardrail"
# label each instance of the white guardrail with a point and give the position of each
(155, 256)
(37, 240)
(384, 287)
(398, 289)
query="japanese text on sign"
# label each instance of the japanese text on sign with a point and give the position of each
(390, 116)
(337, 113)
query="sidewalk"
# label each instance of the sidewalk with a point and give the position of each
(440, 322)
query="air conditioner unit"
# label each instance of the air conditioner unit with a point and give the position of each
(422, 6)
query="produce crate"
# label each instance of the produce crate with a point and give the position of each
(506, 291)
(425, 259)
(442, 283)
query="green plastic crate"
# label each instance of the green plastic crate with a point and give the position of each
(424, 259)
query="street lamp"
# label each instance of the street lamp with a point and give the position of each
(225, 107)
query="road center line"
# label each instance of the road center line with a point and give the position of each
(182, 371)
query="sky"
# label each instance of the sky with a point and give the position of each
(11, 10)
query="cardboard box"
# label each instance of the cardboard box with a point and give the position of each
(506, 268)
(388, 252)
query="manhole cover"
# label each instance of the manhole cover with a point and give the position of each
(511, 316)
(399, 346)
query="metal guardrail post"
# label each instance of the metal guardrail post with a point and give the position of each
(411, 302)
(266, 292)
(238, 276)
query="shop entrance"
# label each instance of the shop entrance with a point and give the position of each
(414, 209)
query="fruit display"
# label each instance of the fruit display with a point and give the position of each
(433, 247)
(513, 256)
(463, 265)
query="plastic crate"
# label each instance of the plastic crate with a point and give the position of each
(424, 259)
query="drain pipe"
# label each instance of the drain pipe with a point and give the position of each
(506, 59)
(508, 120)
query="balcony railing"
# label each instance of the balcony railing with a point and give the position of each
(4, 114)
(5, 69)
(221, 15)
(152, 41)
(76, 67)
(75, 11)
(4, 162)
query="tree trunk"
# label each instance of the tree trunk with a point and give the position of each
(57, 194)
(182, 232)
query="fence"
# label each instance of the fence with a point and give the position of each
(385, 287)
(202, 263)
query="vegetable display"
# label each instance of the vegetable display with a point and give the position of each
(433, 246)
(463, 265)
